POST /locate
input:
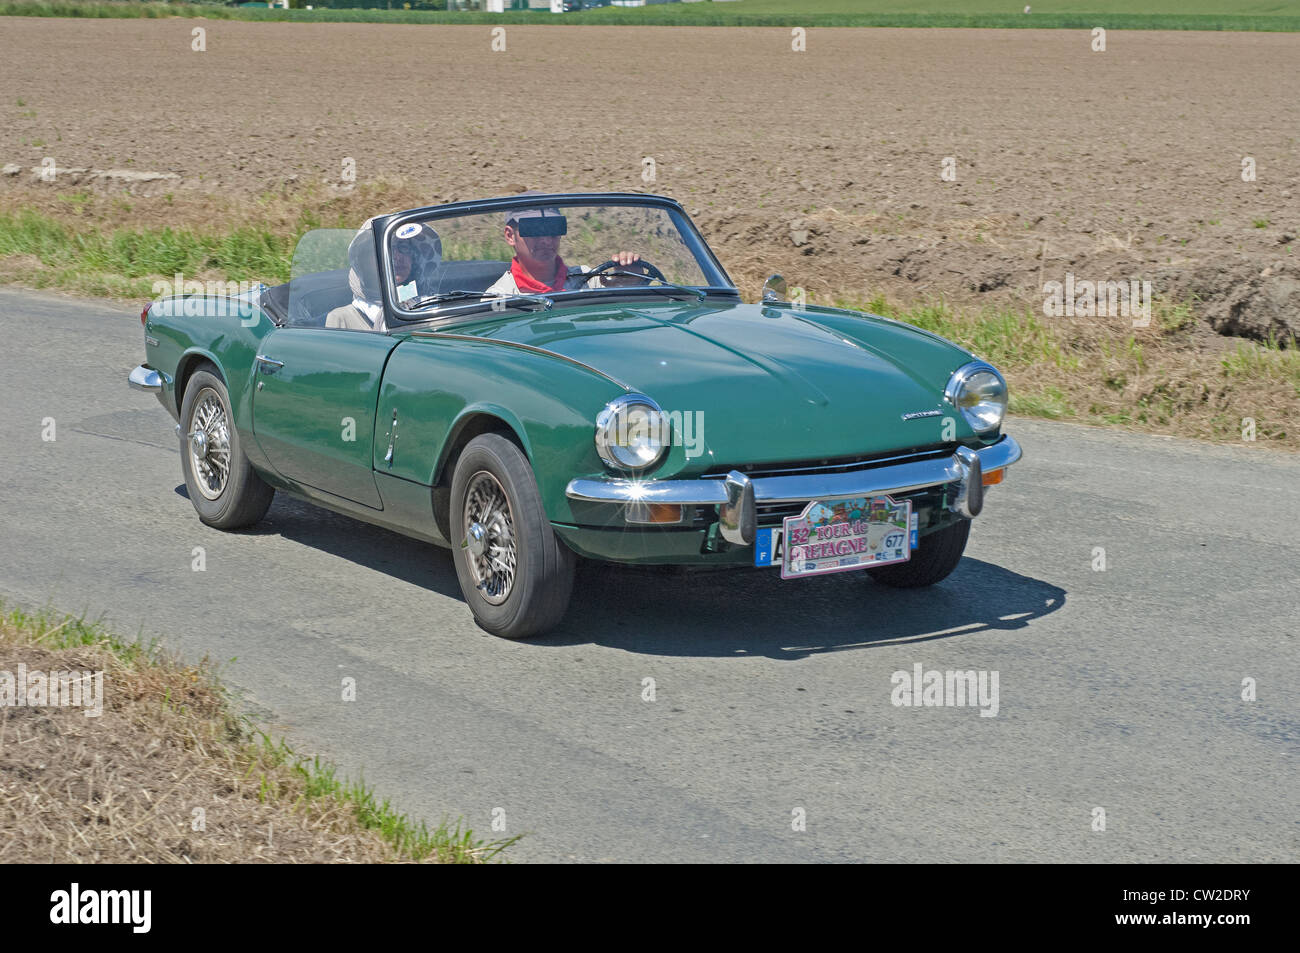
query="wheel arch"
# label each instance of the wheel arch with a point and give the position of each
(190, 362)
(473, 422)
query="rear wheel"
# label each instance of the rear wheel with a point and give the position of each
(223, 486)
(938, 556)
(516, 575)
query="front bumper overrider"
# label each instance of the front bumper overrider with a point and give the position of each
(737, 496)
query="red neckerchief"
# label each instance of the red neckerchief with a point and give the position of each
(527, 283)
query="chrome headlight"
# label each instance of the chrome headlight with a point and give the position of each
(632, 433)
(979, 392)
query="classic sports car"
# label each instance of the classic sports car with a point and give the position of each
(530, 379)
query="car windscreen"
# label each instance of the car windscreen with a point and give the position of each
(445, 261)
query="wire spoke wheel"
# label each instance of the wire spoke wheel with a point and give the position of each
(489, 539)
(515, 573)
(209, 444)
(225, 489)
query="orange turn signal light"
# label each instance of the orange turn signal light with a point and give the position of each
(663, 513)
(994, 477)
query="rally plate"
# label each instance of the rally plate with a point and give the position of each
(838, 536)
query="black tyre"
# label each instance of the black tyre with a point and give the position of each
(225, 489)
(515, 574)
(937, 556)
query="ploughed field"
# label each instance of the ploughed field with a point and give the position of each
(825, 165)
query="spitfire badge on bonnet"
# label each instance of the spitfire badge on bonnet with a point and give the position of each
(922, 413)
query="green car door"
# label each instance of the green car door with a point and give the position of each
(314, 407)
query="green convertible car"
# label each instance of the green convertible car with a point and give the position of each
(530, 379)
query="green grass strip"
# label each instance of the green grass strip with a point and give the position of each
(698, 14)
(125, 262)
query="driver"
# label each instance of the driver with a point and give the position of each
(537, 268)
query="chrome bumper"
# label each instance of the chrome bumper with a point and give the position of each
(736, 495)
(146, 378)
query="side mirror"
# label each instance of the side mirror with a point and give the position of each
(774, 289)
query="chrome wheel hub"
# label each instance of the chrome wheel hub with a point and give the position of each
(489, 538)
(476, 540)
(209, 444)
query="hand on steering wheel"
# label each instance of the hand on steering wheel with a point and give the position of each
(624, 270)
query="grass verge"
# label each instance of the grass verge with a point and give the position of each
(1047, 14)
(1174, 376)
(169, 774)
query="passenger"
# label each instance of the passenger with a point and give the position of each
(417, 256)
(537, 268)
(366, 312)
(417, 259)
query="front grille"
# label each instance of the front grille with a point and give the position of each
(771, 514)
(834, 465)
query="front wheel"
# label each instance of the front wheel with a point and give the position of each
(514, 573)
(938, 556)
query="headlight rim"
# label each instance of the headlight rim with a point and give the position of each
(608, 414)
(957, 383)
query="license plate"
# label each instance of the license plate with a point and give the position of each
(838, 536)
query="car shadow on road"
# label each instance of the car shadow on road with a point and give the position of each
(410, 560)
(723, 614)
(752, 612)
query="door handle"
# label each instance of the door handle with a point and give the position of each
(392, 439)
(268, 365)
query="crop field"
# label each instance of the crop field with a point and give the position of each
(944, 175)
(1269, 15)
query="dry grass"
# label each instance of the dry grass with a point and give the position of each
(167, 774)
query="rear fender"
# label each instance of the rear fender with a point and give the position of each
(183, 332)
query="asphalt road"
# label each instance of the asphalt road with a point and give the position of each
(1118, 689)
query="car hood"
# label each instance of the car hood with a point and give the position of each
(767, 384)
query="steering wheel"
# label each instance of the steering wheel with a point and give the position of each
(650, 271)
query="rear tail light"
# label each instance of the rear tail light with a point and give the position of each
(144, 314)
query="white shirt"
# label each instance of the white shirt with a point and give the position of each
(505, 285)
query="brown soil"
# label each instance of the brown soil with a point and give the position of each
(823, 165)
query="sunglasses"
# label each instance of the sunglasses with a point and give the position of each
(539, 226)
